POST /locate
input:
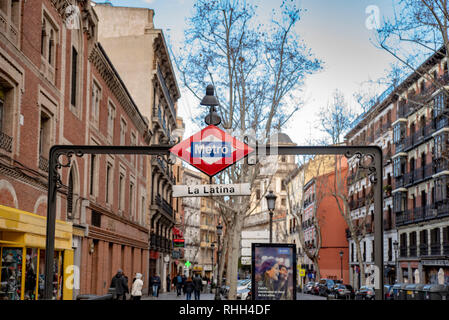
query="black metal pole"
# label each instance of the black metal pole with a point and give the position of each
(271, 226)
(54, 179)
(51, 225)
(217, 293)
(341, 268)
(212, 280)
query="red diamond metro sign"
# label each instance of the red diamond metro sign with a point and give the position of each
(211, 150)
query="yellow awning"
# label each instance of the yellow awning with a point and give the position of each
(29, 229)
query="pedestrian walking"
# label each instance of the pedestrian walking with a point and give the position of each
(168, 283)
(178, 282)
(189, 287)
(127, 286)
(136, 290)
(184, 279)
(197, 286)
(156, 284)
(120, 284)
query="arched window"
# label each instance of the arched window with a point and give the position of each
(70, 195)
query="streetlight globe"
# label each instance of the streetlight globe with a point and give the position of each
(271, 200)
(219, 229)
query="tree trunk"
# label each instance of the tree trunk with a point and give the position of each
(232, 271)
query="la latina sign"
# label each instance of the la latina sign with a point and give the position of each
(205, 190)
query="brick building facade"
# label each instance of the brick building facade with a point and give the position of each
(58, 86)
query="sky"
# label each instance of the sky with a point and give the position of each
(337, 31)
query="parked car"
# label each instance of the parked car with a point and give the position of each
(243, 288)
(343, 291)
(315, 288)
(365, 293)
(325, 287)
(308, 287)
(388, 292)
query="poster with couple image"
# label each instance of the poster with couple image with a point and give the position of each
(273, 271)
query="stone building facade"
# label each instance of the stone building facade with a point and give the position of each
(150, 78)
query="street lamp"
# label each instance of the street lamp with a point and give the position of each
(395, 246)
(212, 245)
(219, 233)
(211, 101)
(271, 202)
(341, 265)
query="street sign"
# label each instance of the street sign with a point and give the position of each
(302, 272)
(178, 243)
(208, 190)
(211, 150)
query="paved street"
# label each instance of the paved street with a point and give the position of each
(210, 296)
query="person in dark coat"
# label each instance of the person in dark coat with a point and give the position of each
(197, 286)
(184, 279)
(177, 281)
(156, 284)
(120, 284)
(168, 283)
(189, 287)
(127, 286)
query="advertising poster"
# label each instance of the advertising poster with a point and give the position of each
(273, 271)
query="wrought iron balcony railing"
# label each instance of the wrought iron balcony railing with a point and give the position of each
(5, 142)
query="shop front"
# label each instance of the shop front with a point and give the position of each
(22, 251)
(436, 270)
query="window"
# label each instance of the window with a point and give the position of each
(283, 202)
(44, 135)
(257, 194)
(122, 132)
(398, 132)
(70, 195)
(73, 99)
(95, 103)
(142, 210)
(120, 191)
(108, 182)
(399, 166)
(92, 174)
(96, 219)
(438, 105)
(1, 109)
(131, 201)
(111, 118)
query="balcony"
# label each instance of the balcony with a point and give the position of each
(441, 164)
(441, 123)
(399, 182)
(164, 205)
(164, 168)
(400, 145)
(386, 126)
(423, 249)
(5, 142)
(43, 163)
(166, 91)
(413, 250)
(446, 248)
(403, 252)
(435, 249)
(442, 208)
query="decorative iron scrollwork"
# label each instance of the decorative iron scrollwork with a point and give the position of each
(361, 158)
(58, 165)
